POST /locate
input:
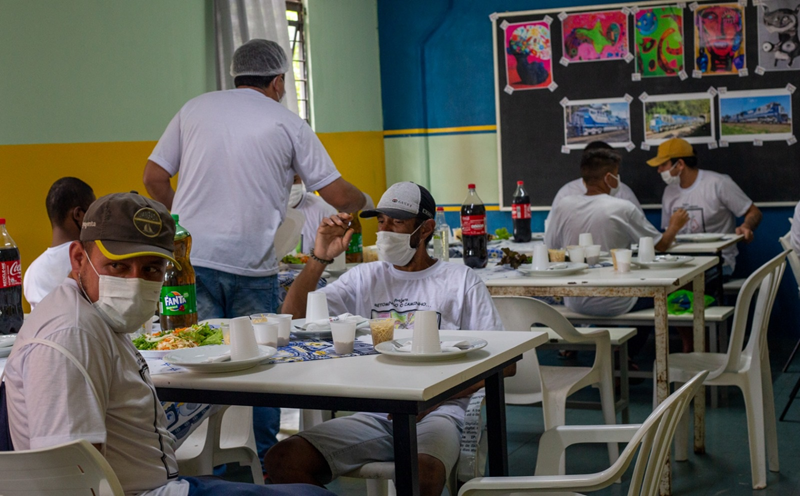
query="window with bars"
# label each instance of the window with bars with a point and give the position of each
(295, 17)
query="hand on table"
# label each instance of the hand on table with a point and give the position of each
(746, 232)
(333, 236)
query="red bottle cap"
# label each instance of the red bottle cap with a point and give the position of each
(471, 186)
(2, 221)
(519, 183)
(438, 209)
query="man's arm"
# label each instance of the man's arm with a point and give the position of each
(343, 196)
(752, 218)
(156, 181)
(676, 222)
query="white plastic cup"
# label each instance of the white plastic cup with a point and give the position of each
(316, 306)
(344, 334)
(243, 339)
(267, 333)
(284, 321)
(585, 239)
(426, 333)
(592, 253)
(541, 259)
(623, 260)
(339, 263)
(576, 253)
(647, 251)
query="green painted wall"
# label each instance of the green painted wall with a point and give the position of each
(345, 66)
(100, 70)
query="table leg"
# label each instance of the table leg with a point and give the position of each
(496, 424)
(698, 288)
(406, 466)
(662, 373)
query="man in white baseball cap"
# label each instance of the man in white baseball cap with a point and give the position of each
(405, 280)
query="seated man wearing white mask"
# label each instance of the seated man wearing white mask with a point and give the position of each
(712, 200)
(313, 207)
(406, 280)
(74, 372)
(613, 223)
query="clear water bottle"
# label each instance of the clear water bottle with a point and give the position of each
(441, 237)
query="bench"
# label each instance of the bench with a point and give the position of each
(732, 287)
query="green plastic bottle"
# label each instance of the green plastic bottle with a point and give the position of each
(178, 306)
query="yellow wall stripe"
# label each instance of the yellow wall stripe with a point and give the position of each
(440, 130)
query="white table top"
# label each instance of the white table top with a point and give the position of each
(710, 248)
(606, 276)
(373, 376)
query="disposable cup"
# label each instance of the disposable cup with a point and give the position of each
(344, 334)
(425, 338)
(243, 339)
(226, 333)
(540, 257)
(557, 254)
(623, 260)
(266, 333)
(585, 239)
(592, 253)
(284, 321)
(576, 253)
(316, 306)
(257, 318)
(382, 330)
(647, 251)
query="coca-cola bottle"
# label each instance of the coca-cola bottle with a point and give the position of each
(473, 230)
(521, 214)
(10, 283)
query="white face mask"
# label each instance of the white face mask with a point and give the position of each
(614, 190)
(125, 303)
(296, 194)
(669, 178)
(395, 248)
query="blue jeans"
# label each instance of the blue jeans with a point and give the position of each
(217, 487)
(224, 295)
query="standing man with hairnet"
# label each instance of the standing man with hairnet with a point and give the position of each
(237, 152)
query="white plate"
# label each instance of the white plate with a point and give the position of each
(556, 269)
(297, 330)
(388, 349)
(699, 237)
(7, 340)
(194, 359)
(4, 352)
(664, 261)
(151, 354)
(296, 266)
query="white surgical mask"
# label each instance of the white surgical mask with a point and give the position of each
(395, 248)
(296, 194)
(669, 178)
(125, 303)
(615, 190)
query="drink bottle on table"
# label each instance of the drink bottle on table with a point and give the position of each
(473, 230)
(355, 250)
(10, 283)
(178, 306)
(521, 214)
(441, 237)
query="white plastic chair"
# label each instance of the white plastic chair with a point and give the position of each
(71, 468)
(748, 369)
(224, 437)
(552, 385)
(651, 439)
(794, 264)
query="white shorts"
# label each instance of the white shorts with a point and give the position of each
(347, 443)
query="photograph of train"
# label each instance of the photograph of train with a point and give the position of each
(689, 116)
(764, 115)
(590, 120)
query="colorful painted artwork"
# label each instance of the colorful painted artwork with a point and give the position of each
(658, 41)
(719, 39)
(777, 35)
(689, 116)
(591, 120)
(764, 115)
(594, 36)
(528, 56)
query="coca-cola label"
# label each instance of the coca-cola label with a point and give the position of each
(473, 225)
(10, 274)
(521, 211)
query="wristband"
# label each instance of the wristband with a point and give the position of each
(320, 260)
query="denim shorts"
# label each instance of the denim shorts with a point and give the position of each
(224, 295)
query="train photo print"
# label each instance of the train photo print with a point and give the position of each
(591, 120)
(755, 115)
(689, 116)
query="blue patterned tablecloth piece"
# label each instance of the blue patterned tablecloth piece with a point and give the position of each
(304, 351)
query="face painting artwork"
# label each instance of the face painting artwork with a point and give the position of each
(658, 41)
(595, 36)
(777, 35)
(719, 39)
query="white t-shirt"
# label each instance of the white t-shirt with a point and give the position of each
(578, 188)
(315, 209)
(713, 202)
(237, 152)
(50, 402)
(796, 229)
(453, 290)
(614, 223)
(46, 273)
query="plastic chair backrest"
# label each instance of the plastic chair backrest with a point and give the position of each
(71, 468)
(517, 315)
(794, 260)
(766, 281)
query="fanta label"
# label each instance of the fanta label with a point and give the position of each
(10, 274)
(178, 300)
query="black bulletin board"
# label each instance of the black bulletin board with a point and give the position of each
(530, 124)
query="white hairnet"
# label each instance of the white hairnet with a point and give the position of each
(259, 58)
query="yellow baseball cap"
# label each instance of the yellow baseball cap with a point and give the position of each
(672, 148)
